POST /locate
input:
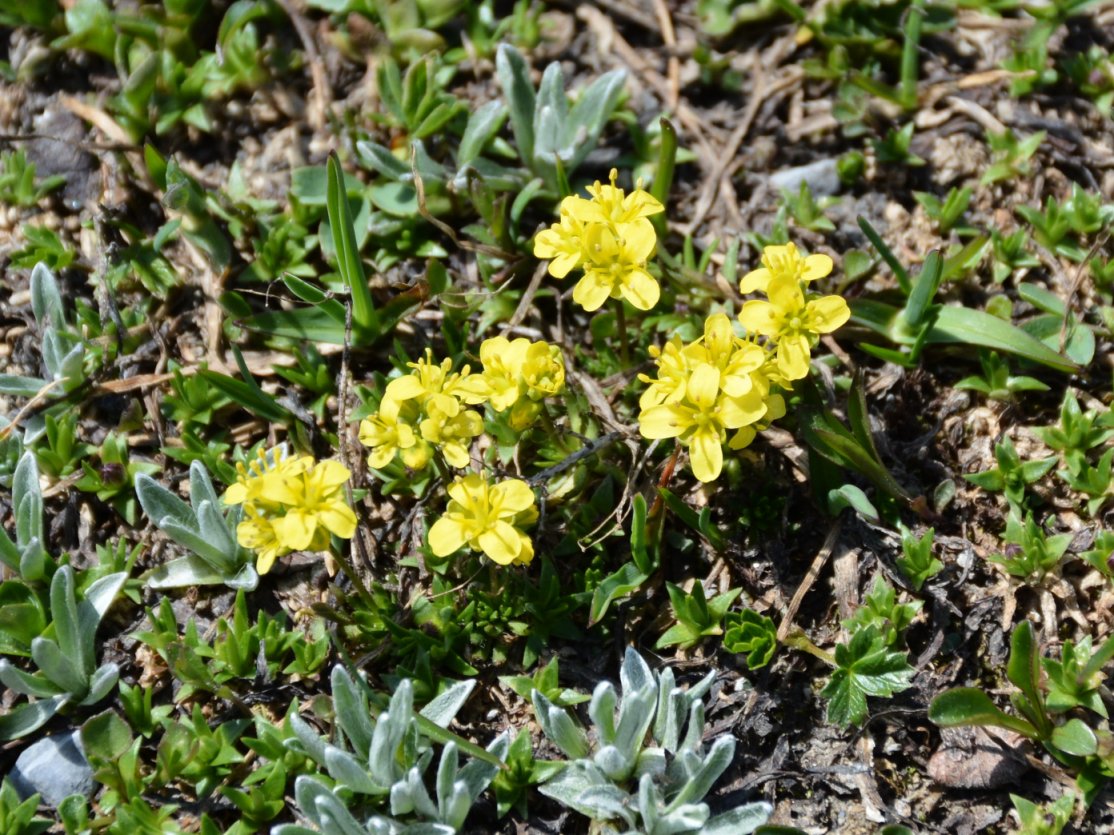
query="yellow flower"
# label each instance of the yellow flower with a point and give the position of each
(452, 435)
(785, 263)
(257, 533)
(250, 478)
(486, 517)
(388, 433)
(433, 383)
(314, 506)
(609, 237)
(775, 409)
(615, 267)
(702, 419)
(519, 372)
(563, 241)
(611, 204)
(543, 371)
(793, 323)
(503, 361)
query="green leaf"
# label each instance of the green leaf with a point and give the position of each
(1075, 738)
(351, 269)
(315, 324)
(26, 718)
(924, 290)
(864, 667)
(514, 79)
(970, 706)
(1023, 670)
(887, 254)
(250, 396)
(616, 585)
(105, 737)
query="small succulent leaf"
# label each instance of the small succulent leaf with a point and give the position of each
(59, 668)
(27, 718)
(559, 727)
(16, 679)
(27, 496)
(352, 711)
(444, 708)
(307, 742)
(514, 78)
(601, 710)
(719, 757)
(102, 682)
(184, 571)
(67, 625)
(1075, 738)
(482, 126)
(349, 773)
(634, 674)
(740, 821)
(46, 298)
(608, 802)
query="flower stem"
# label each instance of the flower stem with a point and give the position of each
(799, 640)
(621, 324)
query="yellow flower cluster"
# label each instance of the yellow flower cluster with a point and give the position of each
(721, 383)
(611, 239)
(791, 319)
(425, 410)
(486, 517)
(291, 503)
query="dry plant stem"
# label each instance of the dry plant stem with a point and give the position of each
(621, 324)
(810, 577)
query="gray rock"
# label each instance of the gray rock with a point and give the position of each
(821, 176)
(54, 767)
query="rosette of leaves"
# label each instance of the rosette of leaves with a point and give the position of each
(63, 352)
(644, 768)
(67, 663)
(215, 556)
(751, 635)
(385, 762)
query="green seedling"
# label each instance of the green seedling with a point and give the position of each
(1074, 680)
(18, 816)
(416, 102)
(58, 451)
(806, 210)
(1047, 819)
(881, 611)
(1012, 476)
(996, 381)
(1029, 62)
(1011, 253)
(1101, 555)
(917, 563)
(697, 617)
(1092, 481)
(1077, 433)
(1011, 156)
(113, 479)
(895, 147)
(42, 245)
(17, 180)
(1035, 553)
(947, 213)
(752, 635)
(1082, 746)
(1092, 72)
(545, 682)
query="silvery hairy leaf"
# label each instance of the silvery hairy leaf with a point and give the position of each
(482, 126)
(741, 821)
(601, 710)
(444, 708)
(559, 727)
(27, 499)
(352, 711)
(58, 668)
(514, 78)
(46, 299)
(714, 764)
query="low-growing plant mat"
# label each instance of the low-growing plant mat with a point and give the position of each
(881, 520)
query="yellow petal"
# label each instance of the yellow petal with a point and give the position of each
(827, 313)
(235, 494)
(592, 290)
(666, 421)
(816, 266)
(502, 542)
(456, 454)
(330, 473)
(639, 239)
(295, 530)
(417, 456)
(719, 336)
(706, 455)
(640, 203)
(446, 536)
(640, 289)
(742, 438)
(381, 456)
(339, 519)
(512, 496)
(755, 281)
(703, 387)
(265, 561)
(793, 356)
(734, 412)
(759, 317)
(406, 387)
